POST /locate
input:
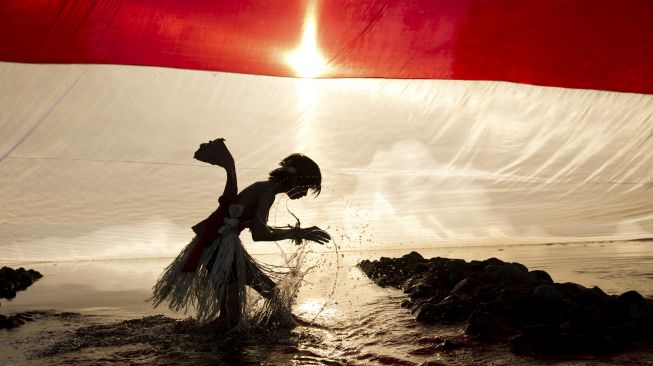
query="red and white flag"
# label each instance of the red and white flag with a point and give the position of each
(434, 122)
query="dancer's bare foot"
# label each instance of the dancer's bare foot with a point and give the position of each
(219, 325)
(300, 321)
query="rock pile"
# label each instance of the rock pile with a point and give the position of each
(11, 281)
(14, 321)
(505, 302)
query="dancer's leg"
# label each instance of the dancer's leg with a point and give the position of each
(231, 308)
(262, 283)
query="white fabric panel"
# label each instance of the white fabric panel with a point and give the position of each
(96, 161)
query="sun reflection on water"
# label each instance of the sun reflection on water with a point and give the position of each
(316, 307)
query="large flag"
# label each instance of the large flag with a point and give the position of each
(434, 122)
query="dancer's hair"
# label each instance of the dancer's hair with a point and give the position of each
(300, 171)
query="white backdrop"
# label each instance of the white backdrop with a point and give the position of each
(96, 161)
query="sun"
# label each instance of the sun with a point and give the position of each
(306, 60)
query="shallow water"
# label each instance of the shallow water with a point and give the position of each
(352, 321)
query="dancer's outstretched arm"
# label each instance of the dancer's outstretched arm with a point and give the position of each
(262, 232)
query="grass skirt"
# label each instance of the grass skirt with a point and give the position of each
(223, 264)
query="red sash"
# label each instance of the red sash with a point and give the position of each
(208, 234)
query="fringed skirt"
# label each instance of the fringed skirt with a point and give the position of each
(225, 266)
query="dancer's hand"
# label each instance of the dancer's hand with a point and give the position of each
(315, 234)
(215, 152)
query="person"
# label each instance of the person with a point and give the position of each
(211, 273)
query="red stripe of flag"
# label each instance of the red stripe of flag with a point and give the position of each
(596, 44)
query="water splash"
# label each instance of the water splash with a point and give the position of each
(276, 313)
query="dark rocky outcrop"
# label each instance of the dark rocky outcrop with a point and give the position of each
(505, 302)
(12, 280)
(14, 321)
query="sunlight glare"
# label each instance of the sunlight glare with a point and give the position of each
(306, 60)
(316, 307)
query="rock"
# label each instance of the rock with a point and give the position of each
(430, 341)
(486, 325)
(420, 267)
(412, 258)
(547, 294)
(366, 266)
(26, 317)
(421, 289)
(549, 306)
(626, 333)
(500, 302)
(513, 273)
(570, 290)
(463, 286)
(632, 297)
(12, 280)
(426, 313)
(446, 311)
(424, 351)
(562, 340)
(520, 267)
(456, 266)
(388, 272)
(540, 276)
(593, 296)
(16, 321)
(449, 345)
(493, 261)
(7, 290)
(34, 274)
(9, 322)
(631, 306)
(537, 339)
(476, 266)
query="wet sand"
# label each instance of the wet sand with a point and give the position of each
(348, 319)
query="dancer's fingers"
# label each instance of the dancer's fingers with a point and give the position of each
(323, 232)
(316, 234)
(320, 237)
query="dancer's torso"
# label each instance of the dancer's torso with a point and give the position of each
(249, 199)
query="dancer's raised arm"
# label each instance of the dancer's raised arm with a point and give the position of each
(216, 153)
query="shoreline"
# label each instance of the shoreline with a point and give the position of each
(471, 244)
